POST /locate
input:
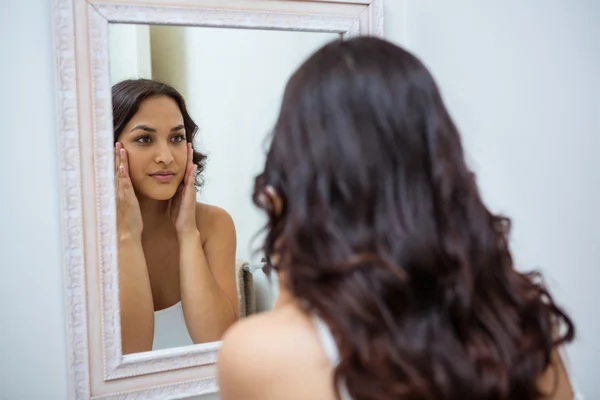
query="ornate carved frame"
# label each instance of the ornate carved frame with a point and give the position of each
(98, 369)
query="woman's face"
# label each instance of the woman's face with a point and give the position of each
(155, 142)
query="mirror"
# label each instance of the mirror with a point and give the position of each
(186, 257)
(229, 60)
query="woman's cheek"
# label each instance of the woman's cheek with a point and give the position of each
(136, 171)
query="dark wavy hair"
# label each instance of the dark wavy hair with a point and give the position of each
(382, 233)
(128, 95)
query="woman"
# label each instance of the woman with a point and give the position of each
(176, 256)
(396, 282)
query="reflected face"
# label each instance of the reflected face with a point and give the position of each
(156, 147)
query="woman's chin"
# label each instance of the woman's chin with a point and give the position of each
(161, 193)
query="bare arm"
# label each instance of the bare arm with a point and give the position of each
(207, 279)
(137, 307)
(136, 303)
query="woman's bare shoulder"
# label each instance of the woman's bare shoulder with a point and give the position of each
(212, 220)
(555, 381)
(271, 356)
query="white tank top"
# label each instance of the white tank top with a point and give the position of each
(170, 329)
(331, 351)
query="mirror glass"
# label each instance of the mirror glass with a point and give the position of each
(187, 266)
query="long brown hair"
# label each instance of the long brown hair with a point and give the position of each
(383, 233)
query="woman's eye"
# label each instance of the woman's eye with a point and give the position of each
(179, 138)
(143, 140)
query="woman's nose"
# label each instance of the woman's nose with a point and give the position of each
(164, 155)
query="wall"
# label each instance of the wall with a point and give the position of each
(129, 50)
(520, 78)
(33, 350)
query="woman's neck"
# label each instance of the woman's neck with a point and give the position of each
(285, 296)
(155, 213)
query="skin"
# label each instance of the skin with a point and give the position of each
(171, 248)
(272, 355)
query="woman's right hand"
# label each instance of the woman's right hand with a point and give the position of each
(129, 216)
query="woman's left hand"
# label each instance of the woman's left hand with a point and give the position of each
(183, 204)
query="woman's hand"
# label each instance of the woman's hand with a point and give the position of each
(183, 204)
(129, 216)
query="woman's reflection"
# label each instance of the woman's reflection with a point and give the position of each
(176, 256)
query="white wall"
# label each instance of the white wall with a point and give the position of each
(129, 52)
(33, 362)
(522, 80)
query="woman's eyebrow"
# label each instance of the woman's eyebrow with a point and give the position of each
(143, 128)
(149, 129)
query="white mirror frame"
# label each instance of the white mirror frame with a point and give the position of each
(98, 369)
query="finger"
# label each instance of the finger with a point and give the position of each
(187, 165)
(188, 177)
(192, 175)
(120, 189)
(124, 162)
(116, 167)
(126, 185)
(187, 190)
(185, 177)
(117, 158)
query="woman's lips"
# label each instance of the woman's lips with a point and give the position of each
(163, 178)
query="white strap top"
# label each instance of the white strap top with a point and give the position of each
(170, 329)
(331, 350)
